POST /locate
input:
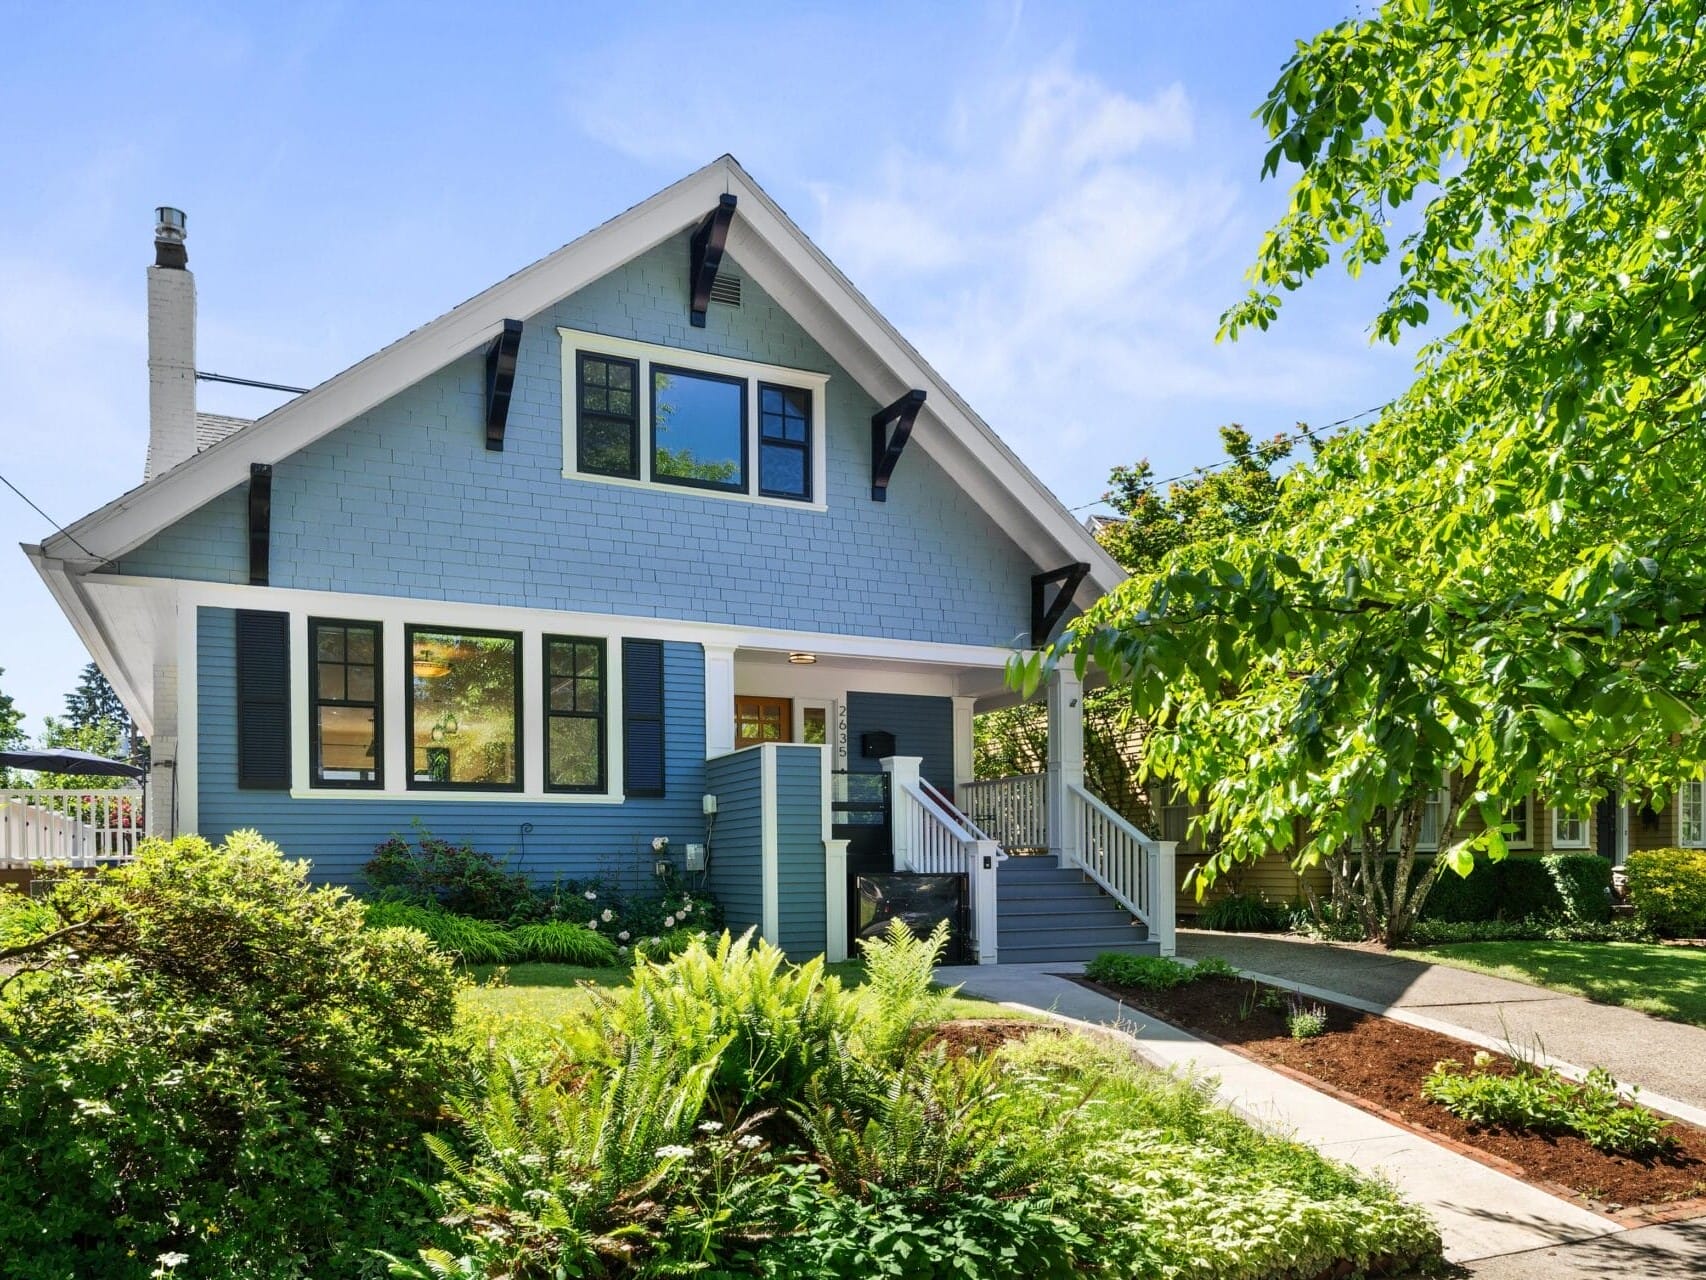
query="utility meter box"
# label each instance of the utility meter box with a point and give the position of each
(695, 857)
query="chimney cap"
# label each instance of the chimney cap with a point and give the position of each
(169, 232)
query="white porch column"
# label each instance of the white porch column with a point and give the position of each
(903, 775)
(719, 700)
(1163, 897)
(964, 763)
(1065, 760)
(985, 861)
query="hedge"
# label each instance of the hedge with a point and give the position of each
(1559, 886)
(1668, 888)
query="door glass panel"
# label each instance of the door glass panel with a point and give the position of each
(814, 724)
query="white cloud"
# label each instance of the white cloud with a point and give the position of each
(1062, 250)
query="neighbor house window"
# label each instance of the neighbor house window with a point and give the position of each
(608, 415)
(1569, 831)
(1691, 800)
(346, 716)
(575, 711)
(698, 429)
(1521, 821)
(784, 441)
(464, 710)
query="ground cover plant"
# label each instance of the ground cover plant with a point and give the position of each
(210, 1068)
(726, 1112)
(1665, 981)
(1538, 1099)
(1392, 1066)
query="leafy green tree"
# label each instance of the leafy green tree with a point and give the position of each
(1497, 588)
(1150, 521)
(11, 729)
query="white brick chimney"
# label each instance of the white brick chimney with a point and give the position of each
(171, 348)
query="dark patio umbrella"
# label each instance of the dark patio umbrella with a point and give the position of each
(62, 760)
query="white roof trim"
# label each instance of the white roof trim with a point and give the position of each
(766, 243)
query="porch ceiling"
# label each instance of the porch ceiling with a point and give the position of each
(948, 679)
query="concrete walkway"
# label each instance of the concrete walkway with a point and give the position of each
(1666, 1059)
(1675, 1251)
(1481, 1212)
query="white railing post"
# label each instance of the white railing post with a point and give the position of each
(903, 779)
(984, 861)
(1065, 763)
(835, 900)
(1163, 897)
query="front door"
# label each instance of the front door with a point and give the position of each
(761, 720)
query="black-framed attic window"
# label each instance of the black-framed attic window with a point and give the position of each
(575, 714)
(784, 442)
(464, 709)
(698, 429)
(607, 422)
(347, 720)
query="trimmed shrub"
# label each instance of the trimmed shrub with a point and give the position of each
(457, 877)
(1582, 882)
(1668, 888)
(1458, 898)
(561, 944)
(462, 937)
(1430, 933)
(225, 1065)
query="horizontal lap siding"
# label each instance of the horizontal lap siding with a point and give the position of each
(737, 858)
(612, 842)
(799, 850)
(922, 726)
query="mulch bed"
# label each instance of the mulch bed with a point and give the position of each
(983, 1035)
(1380, 1064)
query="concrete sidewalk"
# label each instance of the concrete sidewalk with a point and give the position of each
(1481, 1212)
(1666, 1059)
(1674, 1251)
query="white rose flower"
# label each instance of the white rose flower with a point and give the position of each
(659, 843)
(592, 924)
(607, 915)
(685, 908)
(591, 896)
(669, 922)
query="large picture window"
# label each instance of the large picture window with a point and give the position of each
(575, 714)
(346, 721)
(608, 408)
(464, 710)
(698, 429)
(784, 441)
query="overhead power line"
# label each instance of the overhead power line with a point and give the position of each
(44, 515)
(1306, 433)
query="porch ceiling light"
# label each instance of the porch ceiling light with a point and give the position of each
(802, 659)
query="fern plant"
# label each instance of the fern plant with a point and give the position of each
(902, 1000)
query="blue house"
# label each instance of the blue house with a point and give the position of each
(668, 537)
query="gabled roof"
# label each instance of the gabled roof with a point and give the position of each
(770, 248)
(210, 429)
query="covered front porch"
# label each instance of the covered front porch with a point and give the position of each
(832, 770)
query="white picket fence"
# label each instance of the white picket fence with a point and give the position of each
(74, 828)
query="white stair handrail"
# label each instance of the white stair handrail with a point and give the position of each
(1014, 809)
(1133, 869)
(929, 839)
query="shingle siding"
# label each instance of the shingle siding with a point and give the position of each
(737, 857)
(572, 841)
(406, 501)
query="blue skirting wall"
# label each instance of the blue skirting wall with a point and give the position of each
(570, 841)
(799, 850)
(736, 876)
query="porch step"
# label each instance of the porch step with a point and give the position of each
(1048, 913)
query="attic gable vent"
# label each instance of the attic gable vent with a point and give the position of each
(726, 289)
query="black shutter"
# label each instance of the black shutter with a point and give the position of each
(263, 700)
(642, 717)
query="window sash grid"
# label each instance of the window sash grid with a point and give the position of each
(316, 748)
(600, 717)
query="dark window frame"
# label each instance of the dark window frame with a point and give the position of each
(410, 631)
(582, 413)
(315, 702)
(602, 716)
(804, 447)
(689, 482)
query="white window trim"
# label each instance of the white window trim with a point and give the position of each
(394, 617)
(1698, 788)
(578, 341)
(1527, 842)
(1560, 842)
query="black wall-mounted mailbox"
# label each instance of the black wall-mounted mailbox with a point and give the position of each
(876, 745)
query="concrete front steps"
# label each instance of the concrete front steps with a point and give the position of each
(1045, 912)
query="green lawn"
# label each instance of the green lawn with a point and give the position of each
(1668, 982)
(549, 993)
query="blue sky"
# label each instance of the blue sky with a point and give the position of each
(1054, 201)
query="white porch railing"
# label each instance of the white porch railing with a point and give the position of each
(930, 839)
(69, 828)
(1014, 811)
(1134, 870)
